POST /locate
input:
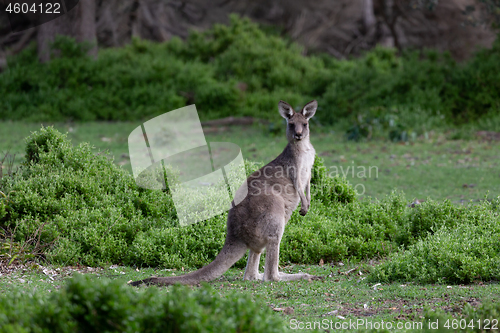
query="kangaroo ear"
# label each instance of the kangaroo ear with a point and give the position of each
(285, 109)
(310, 109)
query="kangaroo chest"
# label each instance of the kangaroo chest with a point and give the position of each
(305, 165)
(304, 160)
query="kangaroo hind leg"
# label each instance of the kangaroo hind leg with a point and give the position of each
(271, 270)
(274, 232)
(252, 270)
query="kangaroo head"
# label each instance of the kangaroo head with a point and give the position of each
(297, 122)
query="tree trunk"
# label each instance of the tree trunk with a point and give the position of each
(369, 19)
(389, 37)
(79, 23)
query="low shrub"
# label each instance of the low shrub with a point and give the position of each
(396, 124)
(330, 189)
(77, 199)
(76, 206)
(459, 252)
(241, 70)
(336, 231)
(99, 305)
(88, 210)
(487, 314)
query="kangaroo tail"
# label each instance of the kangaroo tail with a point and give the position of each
(230, 254)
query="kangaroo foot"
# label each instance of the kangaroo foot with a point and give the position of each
(298, 276)
(258, 276)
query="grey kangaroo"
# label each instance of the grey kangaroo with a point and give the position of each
(258, 222)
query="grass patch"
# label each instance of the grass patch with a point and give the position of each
(343, 293)
(434, 166)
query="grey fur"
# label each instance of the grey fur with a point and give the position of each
(258, 222)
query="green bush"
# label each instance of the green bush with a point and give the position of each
(64, 47)
(336, 231)
(48, 139)
(97, 305)
(489, 311)
(85, 209)
(396, 124)
(460, 250)
(89, 209)
(242, 70)
(329, 189)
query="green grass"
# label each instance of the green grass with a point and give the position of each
(344, 292)
(437, 167)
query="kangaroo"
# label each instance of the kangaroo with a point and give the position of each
(258, 222)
